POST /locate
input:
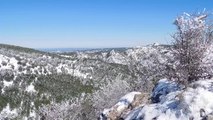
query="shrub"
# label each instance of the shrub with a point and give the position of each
(193, 37)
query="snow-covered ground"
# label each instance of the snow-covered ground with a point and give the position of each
(168, 99)
(171, 101)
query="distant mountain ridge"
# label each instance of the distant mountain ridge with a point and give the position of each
(63, 50)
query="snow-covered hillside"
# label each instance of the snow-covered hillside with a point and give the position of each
(31, 79)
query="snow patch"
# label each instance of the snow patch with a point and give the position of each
(30, 88)
(8, 113)
(7, 84)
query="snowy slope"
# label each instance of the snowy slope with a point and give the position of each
(30, 79)
(171, 102)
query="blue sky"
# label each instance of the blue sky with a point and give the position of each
(91, 23)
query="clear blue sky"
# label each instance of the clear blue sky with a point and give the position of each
(91, 23)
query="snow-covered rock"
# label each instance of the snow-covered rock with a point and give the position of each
(118, 108)
(163, 87)
(124, 105)
(193, 103)
(171, 102)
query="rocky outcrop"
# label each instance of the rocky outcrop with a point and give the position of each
(127, 103)
(169, 101)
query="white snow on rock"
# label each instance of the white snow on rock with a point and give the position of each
(116, 58)
(195, 103)
(126, 100)
(122, 104)
(163, 87)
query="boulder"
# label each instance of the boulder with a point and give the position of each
(125, 104)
